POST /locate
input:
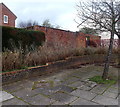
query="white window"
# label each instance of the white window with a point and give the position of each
(5, 19)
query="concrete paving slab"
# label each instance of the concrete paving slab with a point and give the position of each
(63, 97)
(14, 101)
(113, 90)
(77, 84)
(99, 89)
(70, 80)
(12, 87)
(51, 90)
(84, 77)
(115, 85)
(105, 100)
(26, 92)
(63, 88)
(110, 94)
(84, 87)
(45, 91)
(84, 94)
(26, 84)
(77, 74)
(39, 100)
(81, 101)
(88, 85)
(57, 103)
(5, 96)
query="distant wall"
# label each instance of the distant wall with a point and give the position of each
(106, 42)
(77, 39)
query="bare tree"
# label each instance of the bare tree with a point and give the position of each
(103, 15)
(117, 30)
(88, 30)
(27, 24)
(46, 23)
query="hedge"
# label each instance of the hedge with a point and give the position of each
(18, 37)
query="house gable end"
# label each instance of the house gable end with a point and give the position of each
(4, 6)
(7, 16)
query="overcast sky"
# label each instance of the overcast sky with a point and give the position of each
(59, 12)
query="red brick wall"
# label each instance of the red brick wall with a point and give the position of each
(81, 40)
(76, 39)
(11, 16)
(95, 41)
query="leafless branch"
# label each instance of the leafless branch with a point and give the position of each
(100, 14)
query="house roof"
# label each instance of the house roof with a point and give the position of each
(8, 9)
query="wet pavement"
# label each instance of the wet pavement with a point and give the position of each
(66, 87)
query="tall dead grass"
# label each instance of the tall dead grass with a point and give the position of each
(18, 58)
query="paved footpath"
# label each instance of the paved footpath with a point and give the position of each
(67, 87)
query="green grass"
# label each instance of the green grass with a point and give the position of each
(99, 80)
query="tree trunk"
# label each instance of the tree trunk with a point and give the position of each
(108, 57)
(119, 51)
(107, 61)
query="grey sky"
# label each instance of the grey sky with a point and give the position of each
(59, 12)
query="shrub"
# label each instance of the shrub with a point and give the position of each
(101, 50)
(79, 52)
(89, 50)
(13, 38)
(11, 61)
(39, 56)
(116, 51)
(44, 54)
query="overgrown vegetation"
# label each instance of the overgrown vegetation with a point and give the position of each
(22, 57)
(99, 80)
(14, 38)
(44, 54)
